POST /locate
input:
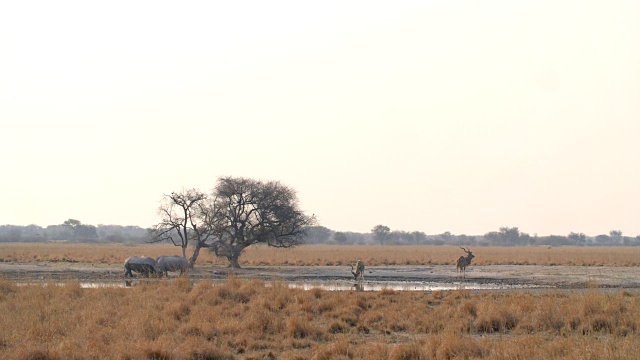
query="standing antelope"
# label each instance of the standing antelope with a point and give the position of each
(463, 262)
(359, 273)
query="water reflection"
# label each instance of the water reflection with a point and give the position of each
(400, 286)
(343, 285)
(98, 285)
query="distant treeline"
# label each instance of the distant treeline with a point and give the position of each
(74, 231)
(505, 236)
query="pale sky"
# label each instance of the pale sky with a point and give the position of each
(460, 116)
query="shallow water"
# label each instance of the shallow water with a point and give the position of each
(401, 286)
(340, 285)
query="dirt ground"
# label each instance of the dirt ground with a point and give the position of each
(505, 277)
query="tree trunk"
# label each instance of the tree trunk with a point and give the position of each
(233, 261)
(196, 252)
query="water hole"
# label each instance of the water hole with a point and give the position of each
(340, 285)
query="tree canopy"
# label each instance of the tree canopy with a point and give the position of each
(246, 212)
(240, 212)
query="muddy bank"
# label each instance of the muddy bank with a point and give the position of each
(492, 277)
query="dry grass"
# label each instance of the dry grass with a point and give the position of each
(328, 255)
(91, 253)
(242, 319)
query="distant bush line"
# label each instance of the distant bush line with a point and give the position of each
(505, 236)
(74, 231)
(78, 233)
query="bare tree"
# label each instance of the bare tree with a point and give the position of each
(246, 212)
(184, 220)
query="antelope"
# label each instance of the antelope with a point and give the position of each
(359, 273)
(463, 262)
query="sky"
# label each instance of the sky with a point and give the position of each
(433, 116)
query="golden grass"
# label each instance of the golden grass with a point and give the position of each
(248, 319)
(92, 253)
(333, 255)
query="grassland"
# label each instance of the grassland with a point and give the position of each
(327, 255)
(252, 319)
(248, 319)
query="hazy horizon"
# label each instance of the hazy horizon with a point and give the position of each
(359, 232)
(420, 115)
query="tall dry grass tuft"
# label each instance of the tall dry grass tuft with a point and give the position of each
(340, 349)
(7, 287)
(452, 346)
(410, 351)
(250, 319)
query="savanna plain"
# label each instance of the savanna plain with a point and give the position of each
(245, 317)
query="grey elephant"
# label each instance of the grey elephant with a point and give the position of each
(144, 265)
(172, 263)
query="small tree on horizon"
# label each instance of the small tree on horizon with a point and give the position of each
(340, 237)
(80, 230)
(381, 233)
(616, 237)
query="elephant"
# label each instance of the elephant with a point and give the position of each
(144, 265)
(172, 263)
